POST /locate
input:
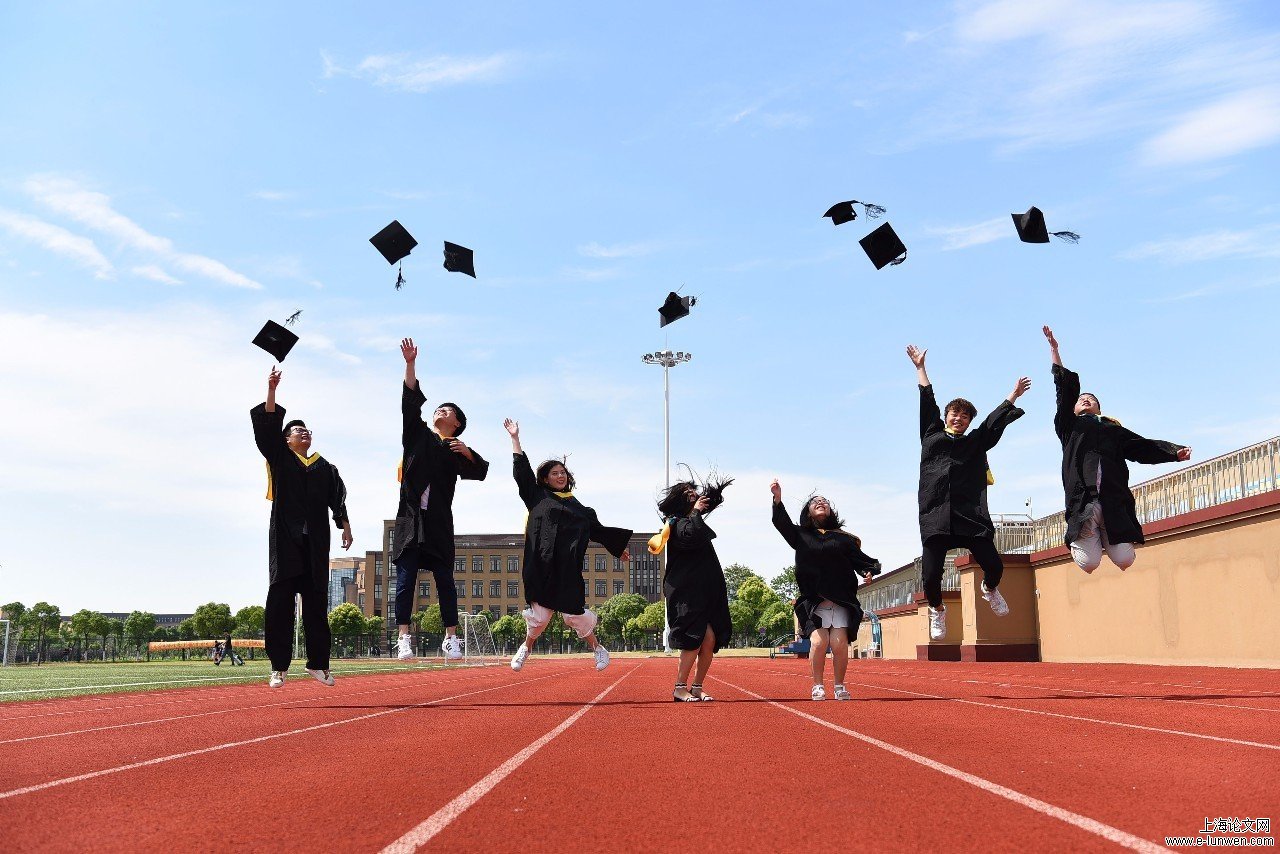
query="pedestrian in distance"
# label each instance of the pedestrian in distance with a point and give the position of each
(556, 535)
(829, 561)
(434, 459)
(954, 476)
(693, 584)
(1100, 510)
(304, 490)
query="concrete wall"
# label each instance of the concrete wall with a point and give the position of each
(1205, 590)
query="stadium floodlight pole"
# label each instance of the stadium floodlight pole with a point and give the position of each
(668, 360)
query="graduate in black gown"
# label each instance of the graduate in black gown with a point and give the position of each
(434, 459)
(693, 584)
(555, 542)
(954, 475)
(1101, 515)
(304, 490)
(828, 563)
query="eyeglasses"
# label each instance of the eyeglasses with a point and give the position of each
(298, 431)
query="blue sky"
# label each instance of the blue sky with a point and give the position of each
(174, 176)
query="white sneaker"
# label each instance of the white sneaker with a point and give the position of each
(937, 623)
(452, 647)
(842, 693)
(517, 660)
(404, 648)
(324, 677)
(999, 607)
(277, 678)
(602, 657)
(818, 693)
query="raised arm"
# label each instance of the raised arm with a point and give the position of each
(1152, 451)
(993, 426)
(1053, 346)
(1066, 385)
(525, 481)
(513, 430)
(916, 355)
(782, 519)
(410, 352)
(273, 380)
(268, 422)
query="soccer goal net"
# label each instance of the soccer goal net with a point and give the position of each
(477, 639)
(4, 656)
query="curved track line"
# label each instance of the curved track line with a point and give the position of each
(39, 787)
(1083, 822)
(443, 817)
(1218, 738)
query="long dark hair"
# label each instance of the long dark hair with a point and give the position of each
(544, 469)
(680, 497)
(833, 523)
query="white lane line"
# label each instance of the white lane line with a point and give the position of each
(443, 817)
(39, 787)
(185, 679)
(1218, 738)
(1083, 822)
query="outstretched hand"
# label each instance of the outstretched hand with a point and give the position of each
(626, 556)
(701, 505)
(1184, 454)
(1053, 342)
(1020, 388)
(513, 428)
(409, 350)
(776, 489)
(273, 379)
(916, 355)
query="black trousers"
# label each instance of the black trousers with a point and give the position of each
(934, 557)
(315, 622)
(411, 562)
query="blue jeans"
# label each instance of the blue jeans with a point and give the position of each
(407, 568)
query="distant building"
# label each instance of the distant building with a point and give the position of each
(342, 574)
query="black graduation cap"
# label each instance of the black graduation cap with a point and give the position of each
(674, 308)
(394, 242)
(842, 212)
(1031, 228)
(276, 340)
(459, 259)
(883, 247)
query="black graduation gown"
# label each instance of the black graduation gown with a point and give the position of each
(827, 567)
(1090, 442)
(304, 498)
(953, 470)
(697, 596)
(428, 461)
(555, 540)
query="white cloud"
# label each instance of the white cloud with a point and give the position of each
(589, 274)
(58, 240)
(620, 250)
(1260, 242)
(273, 195)
(94, 210)
(1236, 123)
(155, 274)
(964, 236)
(423, 74)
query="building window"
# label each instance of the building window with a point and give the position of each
(424, 590)
(477, 589)
(377, 612)
(513, 589)
(513, 564)
(495, 589)
(461, 587)
(361, 601)
(599, 563)
(477, 563)
(602, 589)
(459, 564)
(477, 609)
(617, 564)
(513, 609)
(377, 564)
(495, 563)
(617, 588)
(377, 591)
(586, 562)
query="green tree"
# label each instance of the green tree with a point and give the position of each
(374, 626)
(756, 595)
(653, 618)
(632, 633)
(744, 618)
(616, 611)
(784, 584)
(429, 621)
(250, 621)
(42, 621)
(102, 629)
(346, 621)
(777, 620)
(140, 626)
(509, 628)
(213, 620)
(186, 629)
(13, 613)
(734, 575)
(84, 624)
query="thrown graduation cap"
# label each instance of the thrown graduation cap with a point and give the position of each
(459, 259)
(293, 318)
(842, 212)
(276, 340)
(883, 247)
(1031, 228)
(674, 308)
(394, 242)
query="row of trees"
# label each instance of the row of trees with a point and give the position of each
(42, 626)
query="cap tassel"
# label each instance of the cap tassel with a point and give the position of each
(873, 211)
(400, 277)
(1066, 236)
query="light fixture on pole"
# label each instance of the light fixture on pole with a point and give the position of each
(668, 360)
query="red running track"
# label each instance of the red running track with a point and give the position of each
(929, 756)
